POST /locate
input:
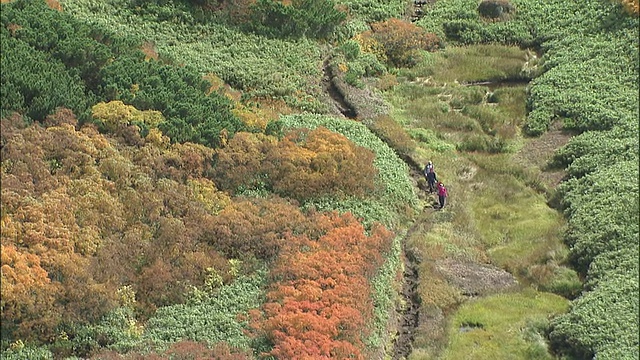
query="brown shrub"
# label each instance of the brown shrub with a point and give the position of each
(402, 41)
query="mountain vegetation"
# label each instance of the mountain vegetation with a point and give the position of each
(180, 181)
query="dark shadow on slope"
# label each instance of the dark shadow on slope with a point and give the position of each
(330, 88)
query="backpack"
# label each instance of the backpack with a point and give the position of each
(428, 168)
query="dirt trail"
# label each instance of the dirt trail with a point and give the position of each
(470, 278)
(409, 311)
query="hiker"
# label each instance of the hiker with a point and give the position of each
(442, 194)
(430, 174)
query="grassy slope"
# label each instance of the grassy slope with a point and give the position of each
(588, 84)
(494, 215)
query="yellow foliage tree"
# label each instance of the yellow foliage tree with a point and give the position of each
(317, 163)
(205, 192)
(28, 295)
(115, 114)
(370, 45)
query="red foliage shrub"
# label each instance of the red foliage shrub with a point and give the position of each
(319, 301)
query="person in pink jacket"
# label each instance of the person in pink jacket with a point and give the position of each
(442, 194)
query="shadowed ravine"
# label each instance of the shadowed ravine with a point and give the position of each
(336, 96)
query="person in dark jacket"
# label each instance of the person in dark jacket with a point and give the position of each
(442, 194)
(430, 175)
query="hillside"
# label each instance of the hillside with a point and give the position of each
(242, 179)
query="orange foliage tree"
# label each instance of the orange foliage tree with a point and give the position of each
(27, 294)
(319, 162)
(631, 6)
(239, 164)
(253, 227)
(318, 304)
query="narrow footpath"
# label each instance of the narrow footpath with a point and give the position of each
(409, 309)
(409, 312)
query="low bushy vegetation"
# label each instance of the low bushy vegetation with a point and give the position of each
(395, 193)
(78, 66)
(156, 204)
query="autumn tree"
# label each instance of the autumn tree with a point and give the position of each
(402, 41)
(320, 162)
(84, 214)
(631, 6)
(28, 295)
(253, 227)
(239, 165)
(303, 165)
(296, 18)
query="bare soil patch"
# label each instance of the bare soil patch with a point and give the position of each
(537, 152)
(475, 279)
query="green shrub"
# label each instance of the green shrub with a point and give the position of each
(585, 86)
(372, 11)
(350, 49)
(594, 325)
(178, 92)
(602, 214)
(208, 318)
(34, 84)
(612, 264)
(65, 56)
(588, 151)
(311, 18)
(460, 22)
(77, 45)
(21, 352)
(465, 31)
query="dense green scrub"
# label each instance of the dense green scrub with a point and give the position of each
(51, 59)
